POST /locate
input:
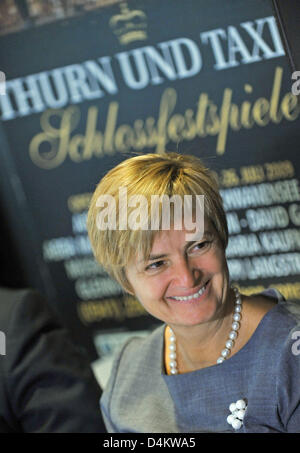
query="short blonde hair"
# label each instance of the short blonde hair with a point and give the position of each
(150, 174)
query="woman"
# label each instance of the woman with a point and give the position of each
(221, 361)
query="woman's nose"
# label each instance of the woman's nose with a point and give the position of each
(185, 274)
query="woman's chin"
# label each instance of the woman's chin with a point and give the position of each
(193, 313)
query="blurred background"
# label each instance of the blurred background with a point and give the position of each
(16, 15)
(91, 83)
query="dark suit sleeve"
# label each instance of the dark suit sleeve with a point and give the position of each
(49, 384)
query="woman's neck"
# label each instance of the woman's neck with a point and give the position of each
(200, 346)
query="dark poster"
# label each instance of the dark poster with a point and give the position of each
(288, 18)
(82, 94)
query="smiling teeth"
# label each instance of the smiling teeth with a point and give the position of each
(193, 296)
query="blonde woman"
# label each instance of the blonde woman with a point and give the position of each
(221, 361)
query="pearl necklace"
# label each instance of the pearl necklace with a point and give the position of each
(235, 326)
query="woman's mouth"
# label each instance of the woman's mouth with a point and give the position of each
(192, 297)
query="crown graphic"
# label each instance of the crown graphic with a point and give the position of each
(129, 25)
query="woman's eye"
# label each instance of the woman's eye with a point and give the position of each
(155, 265)
(201, 245)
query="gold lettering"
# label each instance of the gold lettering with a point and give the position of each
(201, 114)
(274, 114)
(109, 308)
(213, 123)
(225, 109)
(96, 311)
(261, 109)
(76, 142)
(191, 131)
(167, 105)
(110, 127)
(176, 127)
(141, 138)
(93, 138)
(151, 132)
(290, 107)
(50, 148)
(246, 120)
(90, 143)
(124, 138)
(234, 119)
(288, 290)
(55, 138)
(80, 202)
(133, 307)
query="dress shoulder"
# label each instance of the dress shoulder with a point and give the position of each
(135, 387)
(137, 350)
(288, 376)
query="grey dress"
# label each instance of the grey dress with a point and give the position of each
(141, 398)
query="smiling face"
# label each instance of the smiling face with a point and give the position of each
(183, 283)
